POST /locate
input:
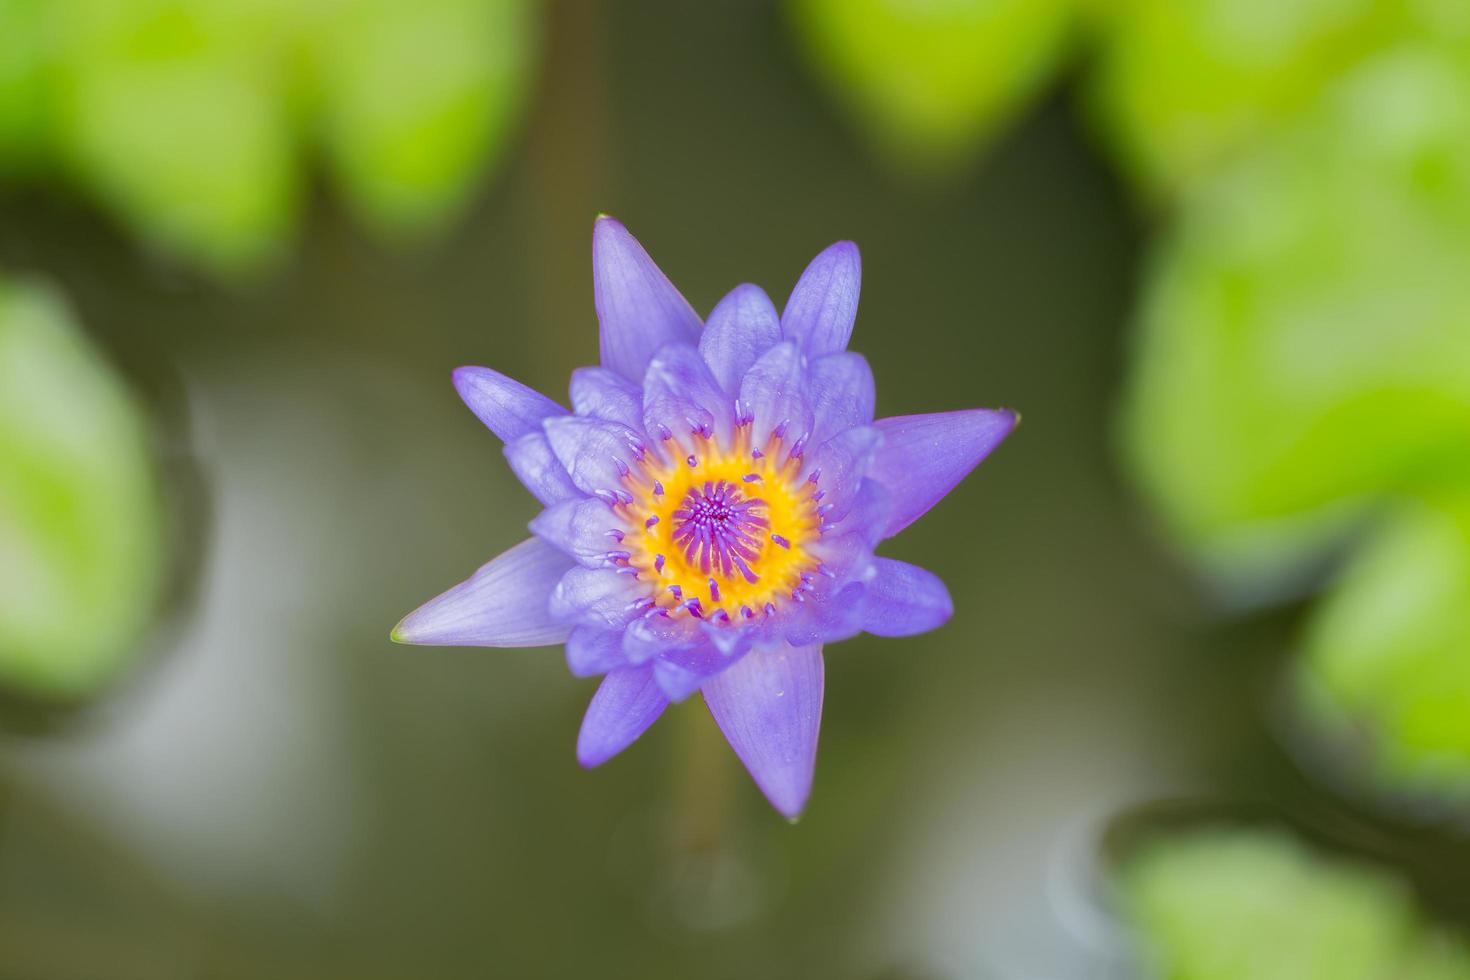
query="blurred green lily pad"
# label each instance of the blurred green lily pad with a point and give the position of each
(188, 142)
(930, 82)
(1248, 904)
(1180, 85)
(24, 132)
(81, 528)
(192, 120)
(1387, 671)
(1305, 341)
(418, 99)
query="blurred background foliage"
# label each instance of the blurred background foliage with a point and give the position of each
(1291, 408)
(1302, 362)
(1303, 345)
(1239, 903)
(1385, 673)
(1183, 88)
(932, 82)
(1304, 371)
(81, 528)
(196, 121)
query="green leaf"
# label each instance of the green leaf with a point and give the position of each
(418, 100)
(25, 134)
(1387, 669)
(1240, 904)
(1305, 331)
(80, 522)
(189, 119)
(931, 81)
(175, 114)
(1182, 84)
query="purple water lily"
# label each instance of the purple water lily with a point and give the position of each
(712, 503)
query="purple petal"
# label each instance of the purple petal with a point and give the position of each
(904, 599)
(730, 643)
(836, 615)
(820, 313)
(654, 636)
(506, 406)
(846, 556)
(504, 604)
(867, 514)
(585, 528)
(741, 328)
(592, 650)
(638, 308)
(594, 453)
(773, 394)
(604, 394)
(837, 467)
(682, 398)
(769, 705)
(923, 457)
(622, 709)
(842, 393)
(832, 607)
(536, 466)
(681, 671)
(596, 597)
(679, 679)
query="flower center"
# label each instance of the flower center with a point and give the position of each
(721, 535)
(720, 528)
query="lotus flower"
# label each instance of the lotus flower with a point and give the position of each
(712, 504)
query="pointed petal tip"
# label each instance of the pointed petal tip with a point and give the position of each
(1000, 410)
(607, 230)
(769, 706)
(463, 378)
(823, 305)
(506, 407)
(638, 308)
(468, 374)
(403, 632)
(627, 702)
(503, 604)
(590, 758)
(408, 634)
(791, 810)
(923, 457)
(749, 294)
(1011, 419)
(592, 752)
(1002, 420)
